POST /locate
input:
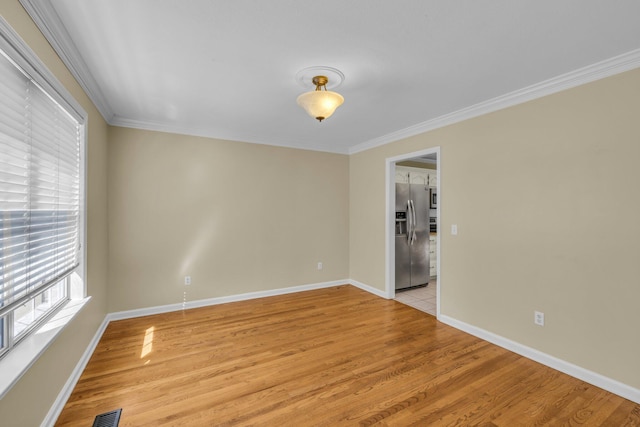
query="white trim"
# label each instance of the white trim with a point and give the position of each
(26, 58)
(128, 314)
(439, 231)
(389, 231)
(390, 207)
(20, 52)
(47, 20)
(206, 132)
(609, 67)
(67, 389)
(20, 359)
(368, 288)
(575, 371)
(63, 396)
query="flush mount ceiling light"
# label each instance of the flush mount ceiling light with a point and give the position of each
(320, 103)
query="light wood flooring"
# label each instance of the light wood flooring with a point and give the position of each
(330, 357)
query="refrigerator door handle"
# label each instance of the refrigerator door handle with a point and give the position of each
(412, 214)
(409, 222)
(415, 221)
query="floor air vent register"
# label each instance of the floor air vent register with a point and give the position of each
(108, 419)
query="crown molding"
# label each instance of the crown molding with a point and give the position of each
(26, 58)
(609, 67)
(216, 134)
(47, 20)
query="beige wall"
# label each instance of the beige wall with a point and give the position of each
(28, 402)
(546, 199)
(236, 217)
(544, 194)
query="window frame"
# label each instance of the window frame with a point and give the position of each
(16, 360)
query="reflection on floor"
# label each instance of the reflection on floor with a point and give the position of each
(423, 299)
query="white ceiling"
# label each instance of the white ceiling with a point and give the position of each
(226, 68)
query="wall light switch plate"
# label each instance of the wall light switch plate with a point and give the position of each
(454, 229)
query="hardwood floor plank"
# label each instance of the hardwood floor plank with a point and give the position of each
(330, 357)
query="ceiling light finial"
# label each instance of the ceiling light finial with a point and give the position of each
(320, 103)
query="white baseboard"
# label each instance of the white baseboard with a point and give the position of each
(67, 389)
(370, 289)
(128, 314)
(575, 371)
(63, 396)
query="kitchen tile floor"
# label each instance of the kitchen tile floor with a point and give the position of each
(423, 299)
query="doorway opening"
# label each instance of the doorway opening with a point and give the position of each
(413, 229)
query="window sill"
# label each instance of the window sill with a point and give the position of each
(25, 354)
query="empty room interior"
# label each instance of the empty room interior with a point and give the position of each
(240, 232)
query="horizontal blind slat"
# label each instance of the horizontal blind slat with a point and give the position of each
(39, 186)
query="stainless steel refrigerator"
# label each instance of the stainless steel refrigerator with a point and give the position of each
(412, 235)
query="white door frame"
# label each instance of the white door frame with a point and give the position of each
(390, 252)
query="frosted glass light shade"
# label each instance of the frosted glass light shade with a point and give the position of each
(320, 104)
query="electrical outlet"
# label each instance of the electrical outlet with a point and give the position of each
(538, 318)
(187, 280)
(454, 229)
(319, 266)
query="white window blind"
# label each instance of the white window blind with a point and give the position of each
(39, 189)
